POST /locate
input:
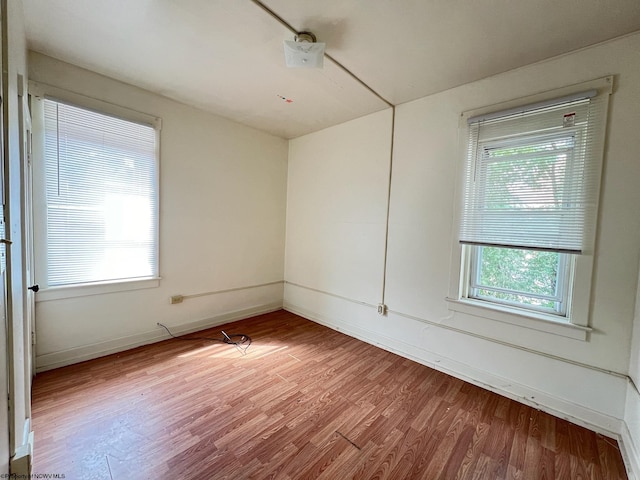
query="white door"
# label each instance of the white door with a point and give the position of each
(27, 228)
(4, 346)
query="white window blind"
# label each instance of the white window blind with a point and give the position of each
(101, 197)
(532, 175)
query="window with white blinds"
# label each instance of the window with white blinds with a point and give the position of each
(529, 198)
(101, 181)
(532, 175)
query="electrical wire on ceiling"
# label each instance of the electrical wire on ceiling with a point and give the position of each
(290, 27)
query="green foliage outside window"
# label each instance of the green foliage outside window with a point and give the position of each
(523, 272)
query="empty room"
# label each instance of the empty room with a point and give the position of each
(292, 239)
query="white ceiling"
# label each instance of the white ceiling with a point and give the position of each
(226, 56)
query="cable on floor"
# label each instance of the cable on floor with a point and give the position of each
(243, 342)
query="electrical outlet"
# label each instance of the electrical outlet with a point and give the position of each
(176, 299)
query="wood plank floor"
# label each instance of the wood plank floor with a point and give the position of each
(304, 402)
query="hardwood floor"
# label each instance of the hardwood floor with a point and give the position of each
(304, 402)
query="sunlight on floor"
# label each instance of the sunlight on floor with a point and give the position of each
(230, 351)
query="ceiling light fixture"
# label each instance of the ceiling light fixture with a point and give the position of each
(304, 51)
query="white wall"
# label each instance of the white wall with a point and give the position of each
(337, 207)
(582, 380)
(222, 219)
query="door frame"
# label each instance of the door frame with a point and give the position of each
(26, 177)
(5, 418)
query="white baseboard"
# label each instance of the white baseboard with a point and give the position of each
(22, 461)
(559, 407)
(63, 358)
(630, 443)
(630, 454)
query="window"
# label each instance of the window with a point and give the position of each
(533, 279)
(101, 197)
(531, 172)
(530, 199)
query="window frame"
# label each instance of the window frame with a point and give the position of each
(575, 323)
(561, 298)
(39, 91)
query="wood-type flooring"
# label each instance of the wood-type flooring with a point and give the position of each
(305, 402)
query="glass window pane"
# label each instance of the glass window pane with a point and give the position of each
(526, 278)
(517, 299)
(526, 271)
(101, 193)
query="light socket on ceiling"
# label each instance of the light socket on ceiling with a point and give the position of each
(304, 51)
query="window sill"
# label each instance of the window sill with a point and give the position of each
(531, 320)
(72, 291)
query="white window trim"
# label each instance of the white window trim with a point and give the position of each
(97, 288)
(576, 324)
(46, 293)
(525, 318)
(38, 89)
